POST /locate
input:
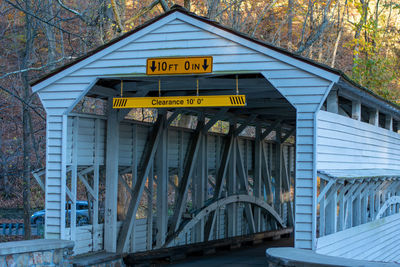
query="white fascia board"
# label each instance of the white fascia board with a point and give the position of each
(262, 49)
(104, 52)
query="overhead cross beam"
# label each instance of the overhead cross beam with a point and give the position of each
(270, 129)
(240, 129)
(289, 134)
(214, 119)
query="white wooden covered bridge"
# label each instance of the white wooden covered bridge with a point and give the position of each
(310, 150)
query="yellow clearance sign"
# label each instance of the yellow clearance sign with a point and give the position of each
(180, 101)
(179, 65)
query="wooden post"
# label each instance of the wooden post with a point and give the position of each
(95, 219)
(356, 110)
(389, 122)
(162, 187)
(332, 102)
(341, 222)
(356, 211)
(331, 212)
(374, 117)
(112, 155)
(74, 176)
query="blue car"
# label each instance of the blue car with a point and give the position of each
(82, 214)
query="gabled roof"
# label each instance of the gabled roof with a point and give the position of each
(177, 8)
(180, 9)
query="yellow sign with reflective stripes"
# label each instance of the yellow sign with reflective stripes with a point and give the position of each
(179, 65)
(180, 101)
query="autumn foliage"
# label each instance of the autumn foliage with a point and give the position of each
(359, 37)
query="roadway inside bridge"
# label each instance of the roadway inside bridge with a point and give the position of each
(245, 256)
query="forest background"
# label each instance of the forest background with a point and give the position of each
(359, 37)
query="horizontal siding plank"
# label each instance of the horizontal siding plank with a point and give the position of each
(168, 28)
(344, 143)
(282, 82)
(169, 44)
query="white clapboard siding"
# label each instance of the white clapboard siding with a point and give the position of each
(55, 190)
(125, 144)
(84, 241)
(345, 143)
(85, 141)
(182, 35)
(374, 241)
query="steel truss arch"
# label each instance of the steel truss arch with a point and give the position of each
(223, 202)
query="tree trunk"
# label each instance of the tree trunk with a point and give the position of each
(290, 24)
(25, 122)
(212, 9)
(360, 25)
(50, 36)
(186, 4)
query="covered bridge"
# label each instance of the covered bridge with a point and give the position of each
(310, 150)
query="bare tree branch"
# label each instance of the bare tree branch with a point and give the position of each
(226, 8)
(116, 15)
(79, 15)
(44, 21)
(263, 12)
(321, 29)
(144, 10)
(22, 101)
(29, 69)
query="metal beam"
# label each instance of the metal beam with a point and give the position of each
(257, 189)
(162, 185)
(266, 174)
(245, 185)
(174, 115)
(240, 129)
(214, 119)
(270, 129)
(289, 134)
(206, 211)
(138, 189)
(184, 183)
(219, 181)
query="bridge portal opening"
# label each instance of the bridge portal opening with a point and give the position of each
(165, 177)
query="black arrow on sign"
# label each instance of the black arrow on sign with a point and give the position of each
(153, 66)
(205, 66)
